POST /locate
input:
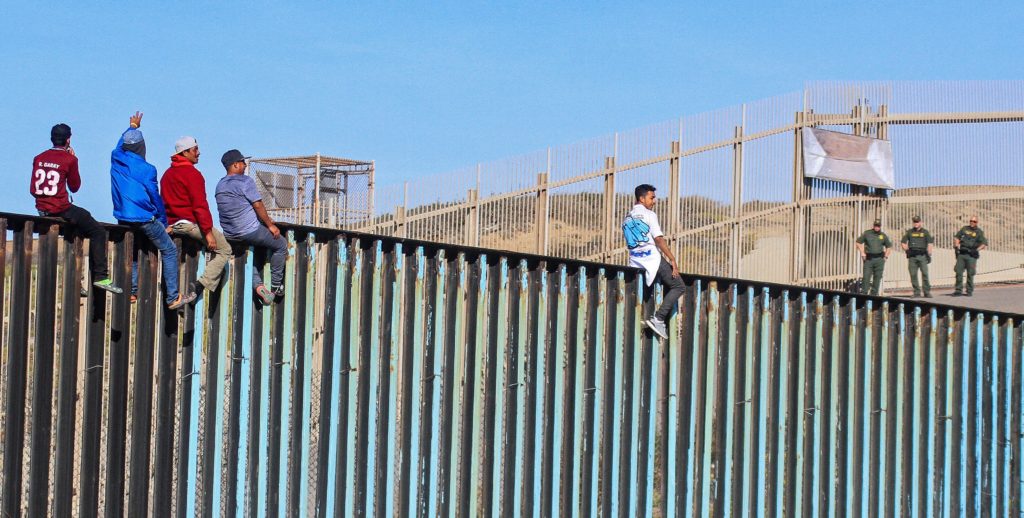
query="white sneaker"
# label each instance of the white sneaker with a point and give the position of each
(658, 326)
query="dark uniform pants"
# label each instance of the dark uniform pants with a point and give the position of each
(872, 275)
(916, 264)
(969, 264)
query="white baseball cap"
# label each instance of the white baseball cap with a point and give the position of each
(184, 144)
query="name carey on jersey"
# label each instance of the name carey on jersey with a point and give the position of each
(48, 165)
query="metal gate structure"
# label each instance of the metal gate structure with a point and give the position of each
(405, 378)
(733, 200)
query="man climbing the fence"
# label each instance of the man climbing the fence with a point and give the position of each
(874, 247)
(241, 212)
(54, 175)
(183, 189)
(918, 243)
(649, 250)
(967, 243)
(137, 204)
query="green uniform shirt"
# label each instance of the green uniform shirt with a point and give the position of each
(971, 238)
(917, 239)
(874, 242)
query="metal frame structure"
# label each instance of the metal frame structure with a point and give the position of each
(405, 378)
(316, 189)
(733, 197)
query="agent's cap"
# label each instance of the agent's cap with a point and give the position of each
(916, 219)
(878, 223)
(184, 144)
(232, 156)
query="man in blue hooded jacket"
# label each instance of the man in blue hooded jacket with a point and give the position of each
(137, 204)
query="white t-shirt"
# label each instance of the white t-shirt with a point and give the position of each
(639, 230)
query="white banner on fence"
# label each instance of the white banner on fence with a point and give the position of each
(842, 157)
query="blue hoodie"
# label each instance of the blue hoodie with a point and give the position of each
(133, 187)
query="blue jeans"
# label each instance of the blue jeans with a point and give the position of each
(156, 232)
(278, 250)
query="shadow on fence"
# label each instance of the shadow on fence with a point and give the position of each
(401, 378)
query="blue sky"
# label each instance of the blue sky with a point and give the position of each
(428, 88)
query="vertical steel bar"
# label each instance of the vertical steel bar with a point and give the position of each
(1003, 430)
(810, 411)
(208, 394)
(925, 419)
(368, 250)
(757, 340)
(232, 428)
(720, 404)
(341, 482)
(64, 450)
(407, 392)
(590, 388)
(183, 412)
(644, 412)
(841, 420)
(825, 409)
(150, 302)
(117, 399)
(532, 384)
(858, 402)
(987, 386)
(17, 347)
(741, 402)
(163, 420)
(328, 338)
(427, 383)
(891, 404)
(568, 453)
(300, 323)
(964, 419)
(702, 346)
(911, 341)
(684, 389)
(382, 447)
(547, 484)
(606, 440)
(510, 426)
(453, 272)
(1016, 350)
(773, 425)
(42, 371)
(276, 393)
(796, 317)
(941, 414)
(875, 435)
(489, 381)
(463, 489)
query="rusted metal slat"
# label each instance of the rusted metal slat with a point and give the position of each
(568, 453)
(463, 488)
(117, 395)
(231, 428)
(684, 389)
(17, 347)
(531, 383)
(700, 377)
(368, 250)
(208, 393)
(299, 290)
(142, 391)
(644, 414)
(548, 483)
(163, 426)
(925, 420)
(605, 475)
(427, 382)
(911, 342)
(776, 310)
(844, 343)
(825, 410)
(341, 482)
(489, 382)
(42, 372)
(1002, 433)
(184, 449)
(275, 392)
(452, 291)
(739, 406)
(721, 409)
(987, 386)
(407, 393)
(876, 377)
(790, 481)
(964, 461)
(810, 411)
(941, 414)
(511, 387)
(328, 301)
(892, 336)
(858, 404)
(754, 488)
(589, 393)
(1017, 358)
(67, 385)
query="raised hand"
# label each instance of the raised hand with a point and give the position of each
(135, 121)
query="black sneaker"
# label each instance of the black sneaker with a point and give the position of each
(278, 291)
(969, 294)
(197, 288)
(957, 294)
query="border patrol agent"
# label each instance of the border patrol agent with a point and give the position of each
(874, 247)
(967, 243)
(918, 243)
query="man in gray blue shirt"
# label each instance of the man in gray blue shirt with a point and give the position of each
(241, 211)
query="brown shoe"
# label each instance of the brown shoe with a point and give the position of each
(183, 298)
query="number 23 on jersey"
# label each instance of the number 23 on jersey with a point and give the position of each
(45, 182)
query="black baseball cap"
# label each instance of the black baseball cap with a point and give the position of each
(231, 157)
(916, 219)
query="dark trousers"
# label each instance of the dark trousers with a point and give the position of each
(673, 290)
(90, 228)
(276, 247)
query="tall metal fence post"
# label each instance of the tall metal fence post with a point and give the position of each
(737, 197)
(472, 221)
(541, 213)
(609, 207)
(798, 238)
(672, 223)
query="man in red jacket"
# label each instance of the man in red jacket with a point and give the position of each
(54, 173)
(183, 189)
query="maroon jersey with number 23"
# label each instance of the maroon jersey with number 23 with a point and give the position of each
(54, 172)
